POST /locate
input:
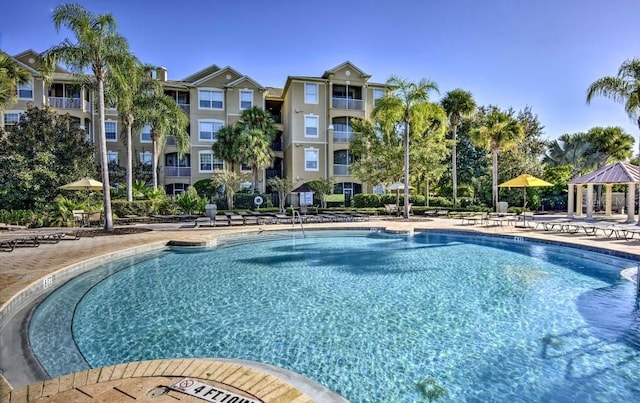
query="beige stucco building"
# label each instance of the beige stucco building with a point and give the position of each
(312, 115)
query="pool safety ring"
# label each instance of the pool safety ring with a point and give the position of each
(258, 200)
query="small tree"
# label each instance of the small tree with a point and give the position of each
(43, 151)
(283, 187)
(231, 182)
(323, 187)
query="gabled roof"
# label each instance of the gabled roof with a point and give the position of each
(27, 54)
(202, 73)
(350, 65)
(215, 74)
(620, 172)
(300, 78)
(244, 78)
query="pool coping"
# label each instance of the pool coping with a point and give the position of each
(38, 288)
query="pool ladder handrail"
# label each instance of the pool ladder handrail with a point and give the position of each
(293, 221)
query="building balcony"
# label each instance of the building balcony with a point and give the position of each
(185, 108)
(272, 173)
(339, 169)
(347, 103)
(276, 145)
(67, 103)
(342, 137)
(177, 171)
(170, 141)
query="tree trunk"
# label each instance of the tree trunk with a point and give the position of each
(104, 163)
(406, 168)
(495, 179)
(454, 166)
(154, 160)
(128, 123)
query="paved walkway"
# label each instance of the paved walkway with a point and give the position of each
(25, 266)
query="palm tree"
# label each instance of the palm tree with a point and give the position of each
(226, 146)
(257, 132)
(610, 144)
(573, 150)
(398, 108)
(128, 90)
(458, 104)
(100, 48)
(499, 132)
(11, 73)
(166, 118)
(623, 88)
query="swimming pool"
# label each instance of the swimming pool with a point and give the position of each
(370, 315)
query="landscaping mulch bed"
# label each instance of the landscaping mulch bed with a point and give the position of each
(90, 233)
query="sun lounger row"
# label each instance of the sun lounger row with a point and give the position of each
(33, 239)
(249, 218)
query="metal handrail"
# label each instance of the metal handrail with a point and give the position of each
(293, 221)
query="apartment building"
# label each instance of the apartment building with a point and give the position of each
(312, 115)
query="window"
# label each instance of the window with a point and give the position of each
(311, 159)
(145, 134)
(310, 93)
(311, 126)
(208, 129)
(145, 158)
(245, 167)
(246, 99)
(25, 89)
(11, 118)
(206, 161)
(210, 99)
(377, 94)
(112, 157)
(111, 130)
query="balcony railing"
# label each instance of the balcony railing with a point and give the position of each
(347, 103)
(177, 171)
(342, 137)
(339, 169)
(185, 108)
(276, 146)
(170, 141)
(272, 173)
(65, 103)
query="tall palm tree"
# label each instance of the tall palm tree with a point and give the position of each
(166, 118)
(226, 146)
(623, 88)
(499, 132)
(11, 73)
(97, 47)
(129, 90)
(458, 104)
(398, 108)
(257, 132)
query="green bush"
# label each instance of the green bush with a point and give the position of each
(205, 187)
(440, 202)
(122, 208)
(416, 200)
(245, 201)
(364, 200)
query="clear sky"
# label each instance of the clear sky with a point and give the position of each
(509, 53)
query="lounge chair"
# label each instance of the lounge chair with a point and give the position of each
(235, 219)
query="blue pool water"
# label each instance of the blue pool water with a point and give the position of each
(375, 317)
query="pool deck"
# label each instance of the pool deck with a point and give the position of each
(148, 381)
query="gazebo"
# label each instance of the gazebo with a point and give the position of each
(620, 173)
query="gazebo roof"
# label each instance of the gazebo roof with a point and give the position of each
(620, 172)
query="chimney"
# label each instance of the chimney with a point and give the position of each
(161, 74)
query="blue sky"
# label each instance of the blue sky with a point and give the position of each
(509, 53)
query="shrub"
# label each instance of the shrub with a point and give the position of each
(245, 201)
(440, 202)
(122, 208)
(364, 200)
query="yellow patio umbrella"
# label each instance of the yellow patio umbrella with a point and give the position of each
(87, 184)
(525, 181)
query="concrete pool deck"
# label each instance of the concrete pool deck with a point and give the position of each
(147, 381)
